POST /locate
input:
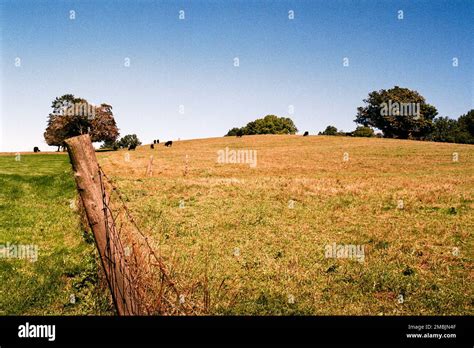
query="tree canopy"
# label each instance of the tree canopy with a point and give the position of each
(270, 124)
(129, 140)
(453, 131)
(72, 116)
(398, 113)
(330, 130)
(363, 131)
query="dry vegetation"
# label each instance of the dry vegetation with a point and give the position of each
(236, 247)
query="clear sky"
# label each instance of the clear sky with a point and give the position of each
(190, 62)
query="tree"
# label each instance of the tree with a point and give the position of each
(398, 113)
(73, 116)
(233, 132)
(363, 131)
(56, 130)
(466, 122)
(103, 126)
(454, 131)
(444, 130)
(270, 124)
(128, 140)
(330, 130)
(112, 145)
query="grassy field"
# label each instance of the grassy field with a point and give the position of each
(243, 240)
(35, 209)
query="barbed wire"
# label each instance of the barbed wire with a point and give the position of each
(144, 272)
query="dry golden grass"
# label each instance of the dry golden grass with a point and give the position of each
(236, 247)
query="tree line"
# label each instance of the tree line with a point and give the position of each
(403, 113)
(396, 113)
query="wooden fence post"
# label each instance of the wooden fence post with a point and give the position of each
(149, 168)
(89, 185)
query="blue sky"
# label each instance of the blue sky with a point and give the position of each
(190, 62)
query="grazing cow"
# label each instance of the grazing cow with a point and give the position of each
(306, 134)
(168, 143)
(132, 147)
(36, 149)
(152, 146)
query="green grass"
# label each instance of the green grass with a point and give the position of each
(35, 197)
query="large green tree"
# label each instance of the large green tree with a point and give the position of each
(398, 112)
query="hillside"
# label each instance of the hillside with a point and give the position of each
(245, 239)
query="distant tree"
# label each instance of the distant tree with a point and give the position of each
(73, 116)
(233, 132)
(398, 113)
(270, 124)
(444, 130)
(112, 145)
(453, 131)
(129, 140)
(363, 131)
(466, 123)
(330, 130)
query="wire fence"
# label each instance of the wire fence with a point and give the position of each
(141, 278)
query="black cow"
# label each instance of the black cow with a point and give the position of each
(306, 134)
(154, 141)
(157, 141)
(132, 147)
(168, 143)
(36, 149)
(152, 146)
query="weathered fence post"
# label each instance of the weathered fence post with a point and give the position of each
(88, 180)
(149, 168)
